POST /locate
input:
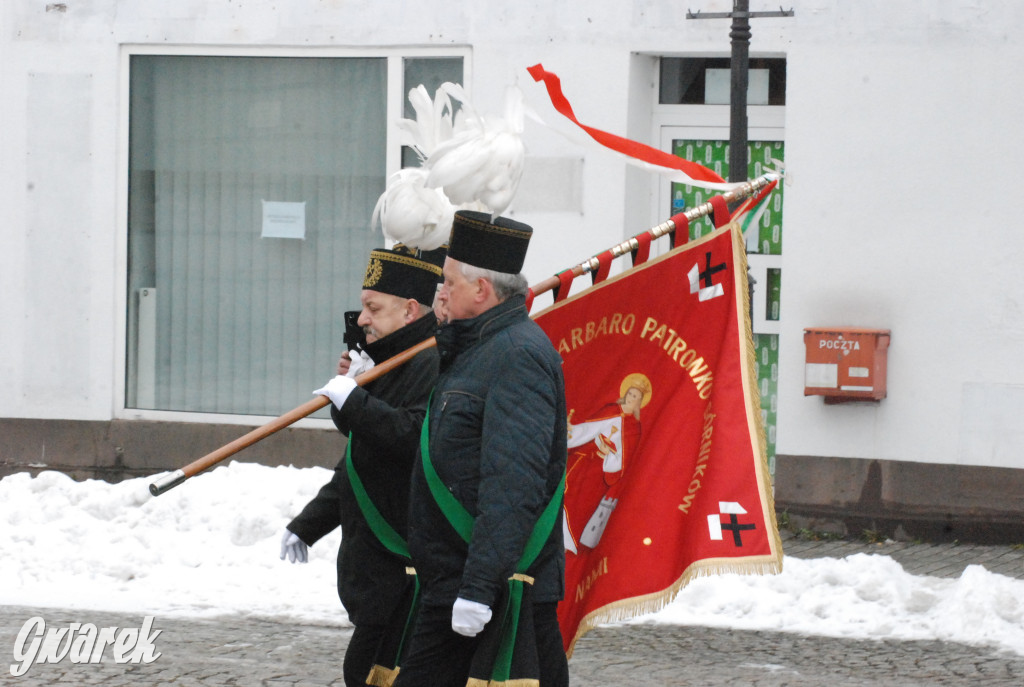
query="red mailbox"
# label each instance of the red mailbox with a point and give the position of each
(845, 363)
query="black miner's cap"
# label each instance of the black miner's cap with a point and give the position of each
(405, 272)
(498, 244)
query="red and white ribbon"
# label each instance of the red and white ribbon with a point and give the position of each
(673, 167)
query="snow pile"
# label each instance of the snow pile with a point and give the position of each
(210, 547)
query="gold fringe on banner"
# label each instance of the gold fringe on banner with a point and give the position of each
(755, 419)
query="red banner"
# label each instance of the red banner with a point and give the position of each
(667, 476)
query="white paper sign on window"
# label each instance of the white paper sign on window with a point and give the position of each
(283, 220)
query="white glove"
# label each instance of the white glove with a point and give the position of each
(337, 390)
(469, 617)
(361, 362)
(293, 548)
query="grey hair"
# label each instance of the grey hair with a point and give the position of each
(505, 285)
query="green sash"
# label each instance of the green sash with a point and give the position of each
(385, 667)
(462, 522)
(384, 532)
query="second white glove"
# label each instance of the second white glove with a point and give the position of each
(361, 362)
(469, 617)
(338, 390)
(293, 548)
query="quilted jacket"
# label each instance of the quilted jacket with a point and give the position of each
(497, 440)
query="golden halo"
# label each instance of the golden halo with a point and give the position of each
(639, 381)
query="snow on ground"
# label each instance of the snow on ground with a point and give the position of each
(211, 547)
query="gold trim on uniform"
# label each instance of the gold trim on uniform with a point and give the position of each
(495, 229)
(404, 260)
(522, 682)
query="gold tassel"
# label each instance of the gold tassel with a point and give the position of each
(382, 677)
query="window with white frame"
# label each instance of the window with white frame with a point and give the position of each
(692, 116)
(252, 180)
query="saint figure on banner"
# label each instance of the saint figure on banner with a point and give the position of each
(600, 450)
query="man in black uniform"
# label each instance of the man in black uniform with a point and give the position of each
(485, 509)
(369, 493)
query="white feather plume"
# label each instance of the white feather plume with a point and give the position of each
(470, 162)
(483, 160)
(433, 123)
(409, 212)
(413, 214)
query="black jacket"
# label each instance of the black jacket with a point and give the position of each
(385, 418)
(498, 442)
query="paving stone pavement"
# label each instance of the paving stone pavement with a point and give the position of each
(936, 560)
(240, 651)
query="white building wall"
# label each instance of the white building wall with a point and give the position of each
(902, 142)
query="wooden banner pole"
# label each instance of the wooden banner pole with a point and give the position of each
(173, 479)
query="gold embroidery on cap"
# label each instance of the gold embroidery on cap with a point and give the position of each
(374, 270)
(411, 262)
(495, 229)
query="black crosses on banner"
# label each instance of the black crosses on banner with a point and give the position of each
(701, 280)
(716, 527)
(709, 270)
(736, 528)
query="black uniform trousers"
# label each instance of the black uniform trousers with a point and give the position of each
(361, 653)
(440, 657)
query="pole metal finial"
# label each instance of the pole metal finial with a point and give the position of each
(167, 482)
